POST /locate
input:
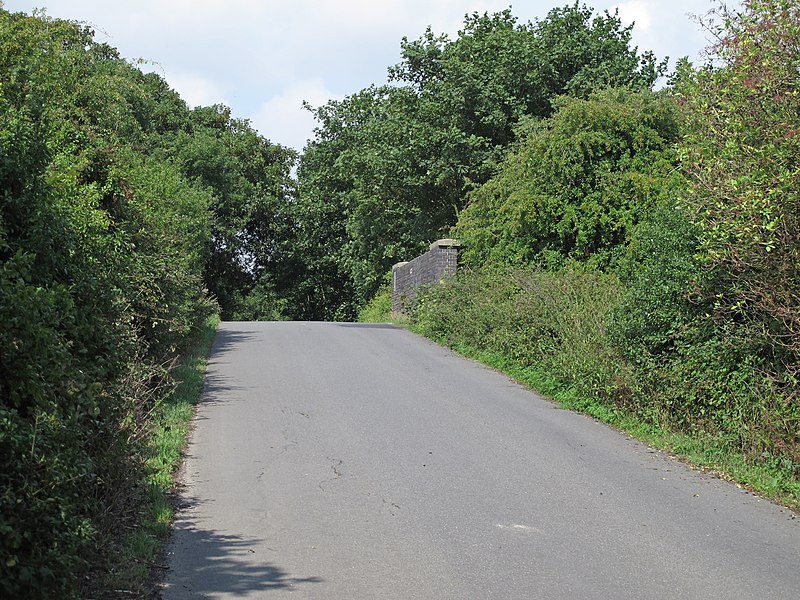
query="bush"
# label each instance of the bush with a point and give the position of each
(576, 184)
(660, 270)
(550, 321)
(741, 155)
(101, 257)
(379, 308)
(696, 371)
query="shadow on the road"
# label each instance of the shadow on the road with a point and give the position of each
(217, 390)
(226, 338)
(215, 386)
(214, 563)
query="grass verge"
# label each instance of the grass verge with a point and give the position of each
(772, 480)
(140, 556)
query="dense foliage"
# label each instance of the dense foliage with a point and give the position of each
(250, 184)
(742, 156)
(390, 166)
(575, 184)
(119, 207)
(710, 316)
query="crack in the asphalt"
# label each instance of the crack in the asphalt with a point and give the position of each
(391, 506)
(337, 473)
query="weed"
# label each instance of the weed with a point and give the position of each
(141, 552)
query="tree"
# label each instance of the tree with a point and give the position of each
(249, 179)
(575, 184)
(401, 158)
(498, 70)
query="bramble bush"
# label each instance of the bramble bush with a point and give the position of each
(740, 154)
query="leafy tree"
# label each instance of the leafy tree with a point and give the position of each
(396, 162)
(498, 70)
(325, 287)
(576, 183)
(710, 313)
(249, 179)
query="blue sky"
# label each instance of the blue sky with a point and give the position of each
(264, 57)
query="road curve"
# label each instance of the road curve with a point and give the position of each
(350, 461)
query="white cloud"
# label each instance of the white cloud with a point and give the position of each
(241, 52)
(194, 89)
(667, 28)
(283, 119)
(636, 11)
(206, 13)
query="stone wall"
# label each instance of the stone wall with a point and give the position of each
(439, 262)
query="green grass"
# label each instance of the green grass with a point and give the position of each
(379, 308)
(143, 549)
(772, 479)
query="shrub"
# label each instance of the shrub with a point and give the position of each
(379, 308)
(551, 321)
(576, 183)
(101, 257)
(741, 155)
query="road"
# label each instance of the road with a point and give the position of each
(350, 461)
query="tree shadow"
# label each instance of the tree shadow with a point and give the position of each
(215, 385)
(204, 562)
(217, 389)
(225, 339)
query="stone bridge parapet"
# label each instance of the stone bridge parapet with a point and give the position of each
(407, 277)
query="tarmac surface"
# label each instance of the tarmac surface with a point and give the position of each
(356, 461)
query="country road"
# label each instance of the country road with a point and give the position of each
(350, 461)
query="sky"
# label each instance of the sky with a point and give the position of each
(263, 58)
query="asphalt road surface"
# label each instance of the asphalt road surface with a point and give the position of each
(349, 461)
